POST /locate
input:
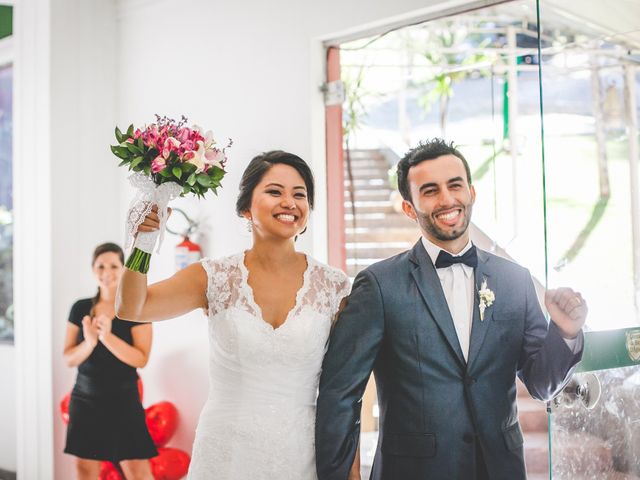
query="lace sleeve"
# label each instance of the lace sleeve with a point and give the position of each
(209, 268)
(342, 289)
(223, 277)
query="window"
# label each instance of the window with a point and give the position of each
(6, 177)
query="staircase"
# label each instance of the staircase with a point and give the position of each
(379, 232)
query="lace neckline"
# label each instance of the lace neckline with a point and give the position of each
(251, 299)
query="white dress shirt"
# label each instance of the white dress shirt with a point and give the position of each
(458, 285)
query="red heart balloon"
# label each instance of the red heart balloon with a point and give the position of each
(162, 421)
(170, 464)
(140, 389)
(64, 407)
(108, 471)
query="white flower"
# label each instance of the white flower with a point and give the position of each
(486, 298)
(198, 158)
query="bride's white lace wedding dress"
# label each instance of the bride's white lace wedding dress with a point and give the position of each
(258, 421)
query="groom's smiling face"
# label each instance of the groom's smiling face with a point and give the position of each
(441, 201)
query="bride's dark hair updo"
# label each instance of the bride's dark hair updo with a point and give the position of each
(261, 165)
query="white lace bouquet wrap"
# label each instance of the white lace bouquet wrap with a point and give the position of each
(168, 159)
(148, 194)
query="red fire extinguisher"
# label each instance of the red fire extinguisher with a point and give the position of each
(187, 252)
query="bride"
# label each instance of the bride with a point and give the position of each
(270, 312)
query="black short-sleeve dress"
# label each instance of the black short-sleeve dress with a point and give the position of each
(106, 417)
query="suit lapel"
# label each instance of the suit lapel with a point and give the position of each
(479, 327)
(430, 289)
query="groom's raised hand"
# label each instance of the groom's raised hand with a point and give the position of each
(567, 309)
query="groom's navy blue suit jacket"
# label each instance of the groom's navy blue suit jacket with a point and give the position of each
(435, 408)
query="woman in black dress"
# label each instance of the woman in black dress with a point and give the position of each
(106, 418)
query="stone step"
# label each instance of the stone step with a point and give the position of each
(360, 171)
(370, 174)
(399, 234)
(536, 454)
(379, 220)
(353, 269)
(370, 206)
(365, 153)
(532, 415)
(367, 184)
(373, 194)
(368, 162)
(377, 251)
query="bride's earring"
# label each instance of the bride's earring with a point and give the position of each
(249, 225)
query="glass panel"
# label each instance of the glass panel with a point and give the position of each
(589, 65)
(6, 205)
(595, 425)
(471, 78)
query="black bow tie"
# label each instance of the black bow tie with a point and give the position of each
(469, 258)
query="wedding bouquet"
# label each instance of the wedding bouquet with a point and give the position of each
(168, 159)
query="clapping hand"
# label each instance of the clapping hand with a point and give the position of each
(90, 330)
(567, 309)
(104, 326)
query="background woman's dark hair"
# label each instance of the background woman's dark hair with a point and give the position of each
(262, 164)
(428, 150)
(100, 249)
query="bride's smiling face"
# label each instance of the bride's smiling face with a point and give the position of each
(279, 204)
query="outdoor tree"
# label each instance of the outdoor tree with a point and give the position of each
(450, 51)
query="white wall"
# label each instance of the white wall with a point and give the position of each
(85, 185)
(249, 70)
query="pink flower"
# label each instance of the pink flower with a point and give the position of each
(158, 164)
(129, 140)
(183, 135)
(170, 145)
(137, 134)
(215, 157)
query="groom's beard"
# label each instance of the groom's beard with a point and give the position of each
(428, 224)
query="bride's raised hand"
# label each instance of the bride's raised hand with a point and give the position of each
(151, 222)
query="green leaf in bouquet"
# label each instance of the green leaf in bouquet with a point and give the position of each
(136, 161)
(188, 168)
(130, 130)
(134, 149)
(191, 179)
(216, 173)
(147, 169)
(186, 189)
(203, 180)
(118, 135)
(177, 172)
(165, 173)
(120, 152)
(123, 162)
(140, 144)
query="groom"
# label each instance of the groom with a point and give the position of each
(445, 327)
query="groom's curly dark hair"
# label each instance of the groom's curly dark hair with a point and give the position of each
(428, 150)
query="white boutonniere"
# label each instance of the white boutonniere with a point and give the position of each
(486, 298)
